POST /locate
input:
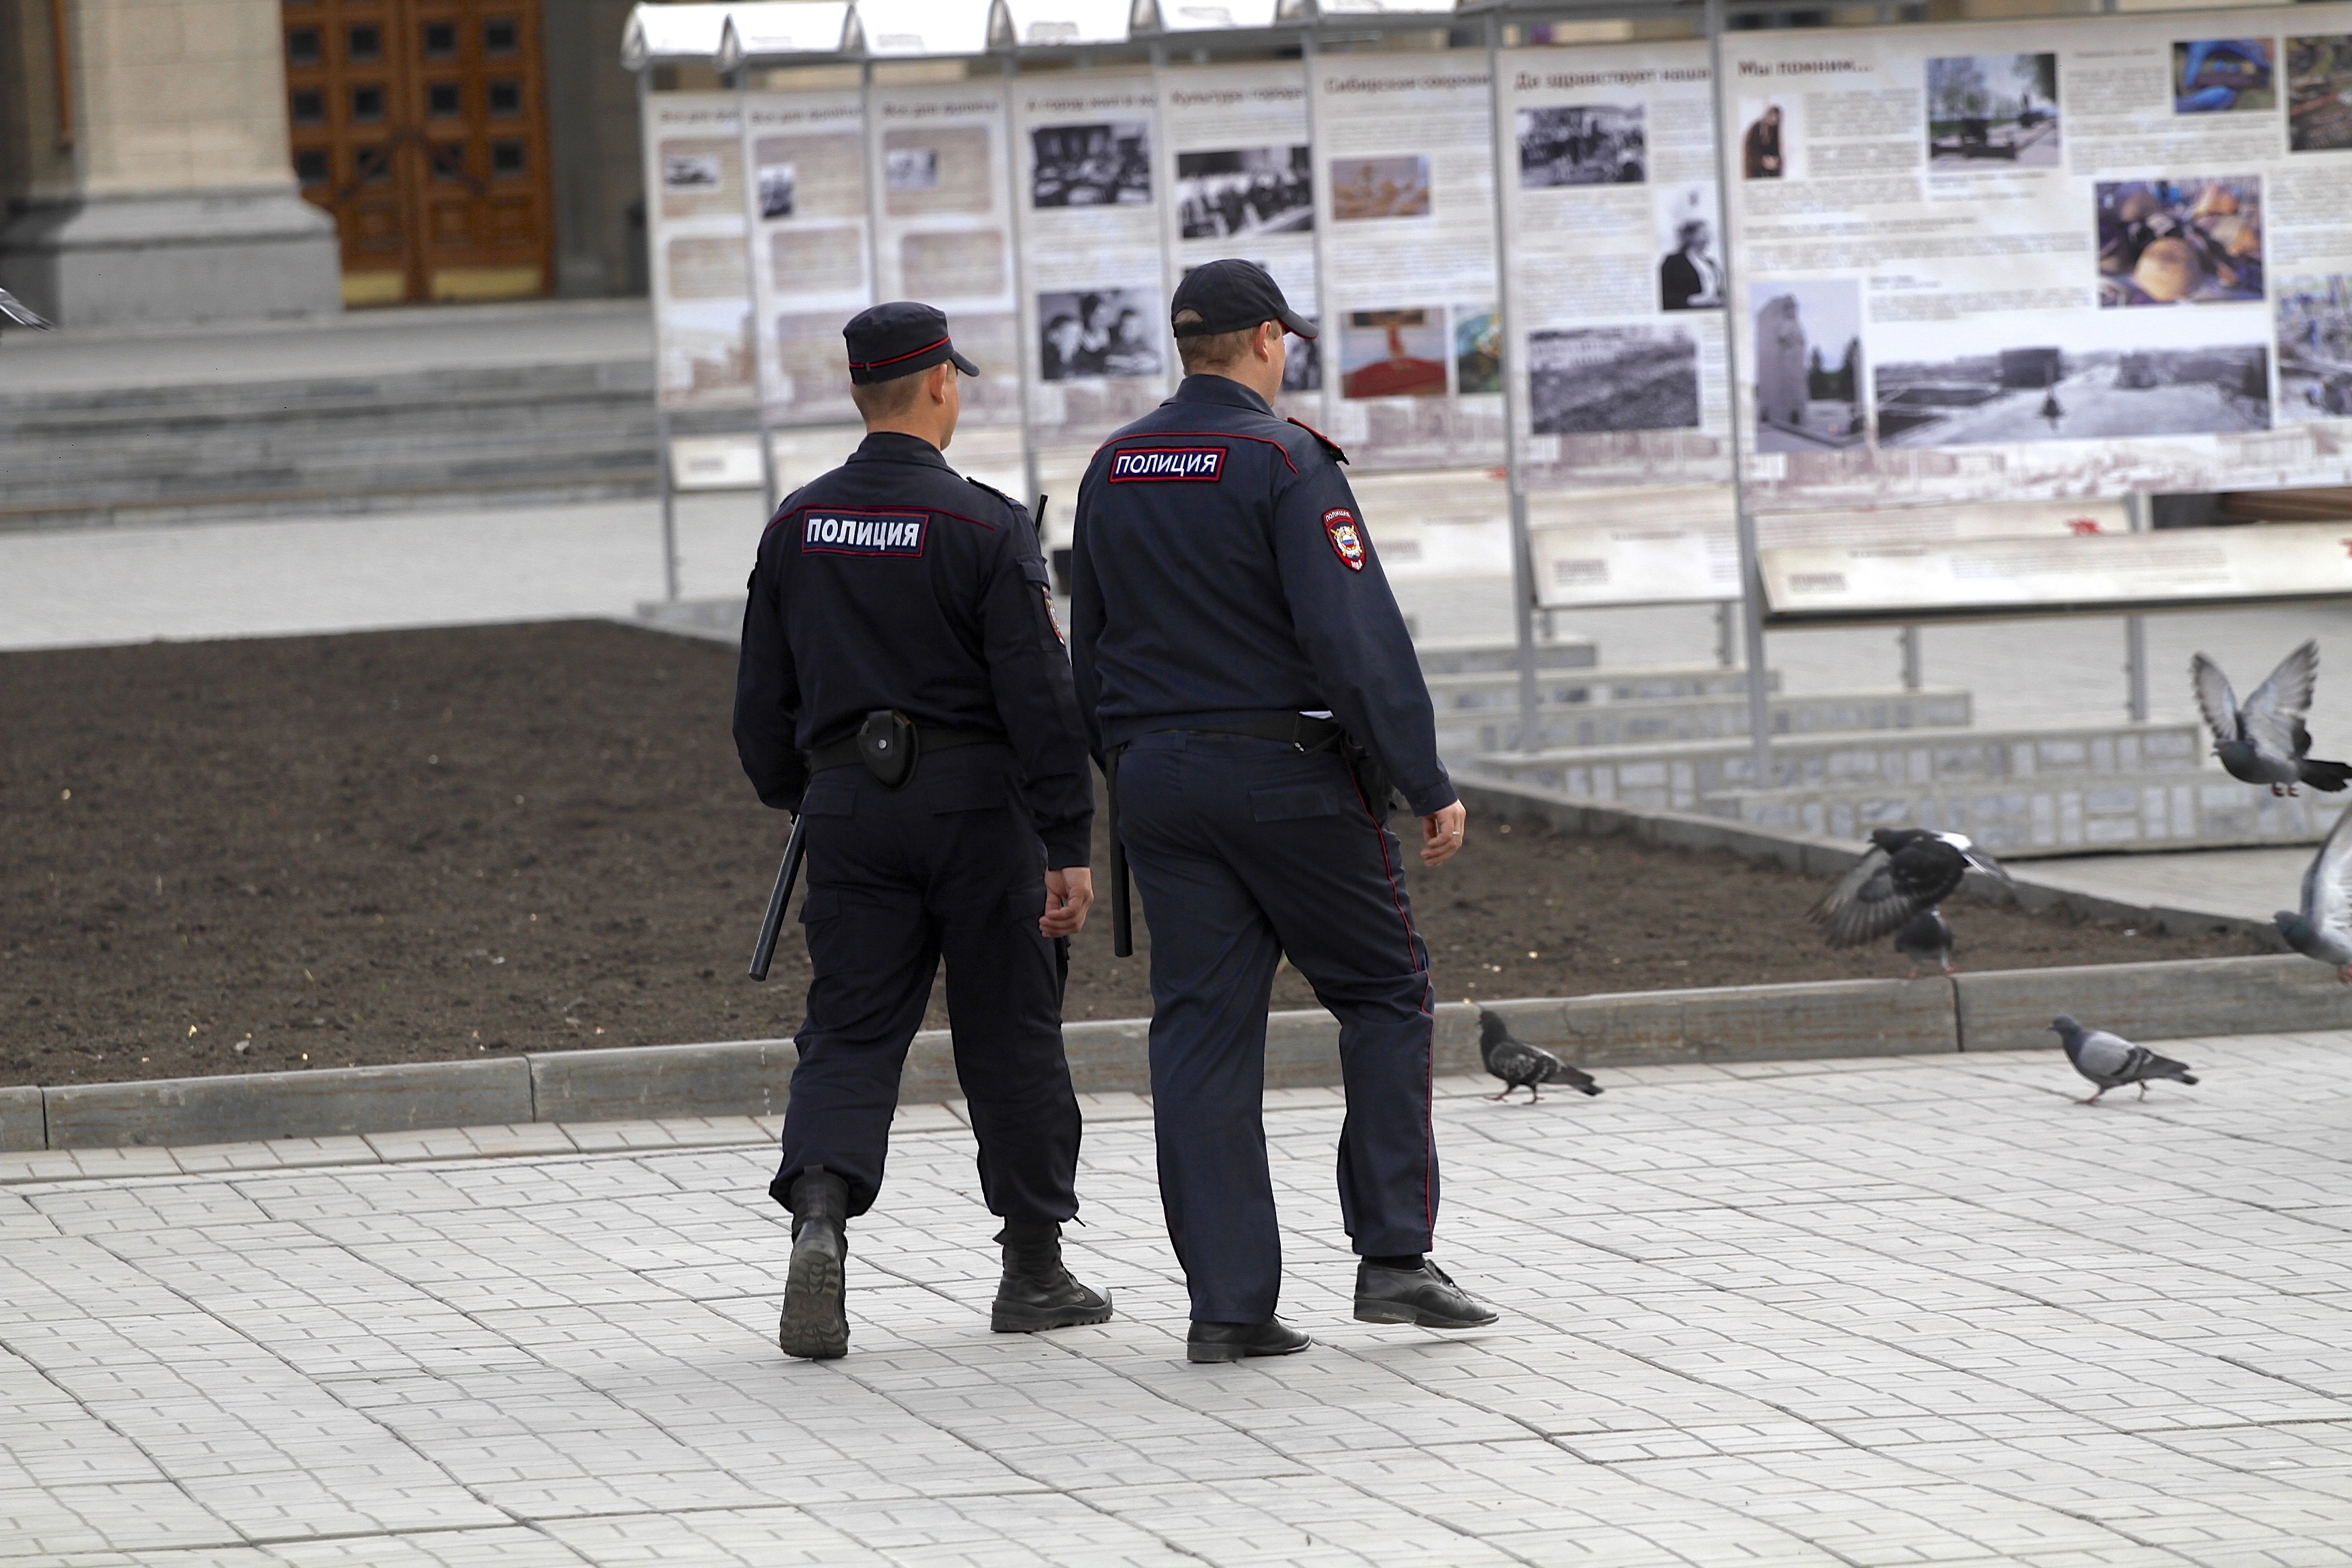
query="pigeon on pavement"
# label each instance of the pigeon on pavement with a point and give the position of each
(1521, 1065)
(2322, 928)
(2264, 742)
(1908, 871)
(2111, 1061)
(15, 312)
(1925, 938)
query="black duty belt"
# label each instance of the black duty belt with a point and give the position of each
(844, 752)
(1301, 730)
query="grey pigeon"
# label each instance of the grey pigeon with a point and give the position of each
(2264, 742)
(1522, 1066)
(2322, 928)
(1926, 938)
(17, 313)
(1908, 871)
(2111, 1061)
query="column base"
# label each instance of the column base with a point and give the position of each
(97, 261)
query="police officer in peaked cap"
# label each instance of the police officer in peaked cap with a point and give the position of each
(1249, 684)
(905, 689)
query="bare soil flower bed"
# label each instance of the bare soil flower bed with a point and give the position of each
(245, 857)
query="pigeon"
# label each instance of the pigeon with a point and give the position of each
(1927, 938)
(1908, 871)
(2111, 1061)
(15, 312)
(1520, 1064)
(2264, 742)
(2322, 928)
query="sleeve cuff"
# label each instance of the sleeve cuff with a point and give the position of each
(1065, 850)
(1429, 802)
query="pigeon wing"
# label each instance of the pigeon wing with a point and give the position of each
(2104, 1057)
(1515, 1062)
(15, 310)
(1864, 905)
(2328, 885)
(1980, 859)
(2219, 703)
(2273, 715)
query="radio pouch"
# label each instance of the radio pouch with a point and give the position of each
(886, 744)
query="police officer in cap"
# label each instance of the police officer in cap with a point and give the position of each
(905, 689)
(1249, 683)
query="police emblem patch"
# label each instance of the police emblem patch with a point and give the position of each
(1347, 538)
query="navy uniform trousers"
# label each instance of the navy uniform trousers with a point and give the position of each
(1244, 849)
(949, 865)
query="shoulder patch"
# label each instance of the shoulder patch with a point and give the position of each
(1347, 537)
(1337, 454)
(991, 489)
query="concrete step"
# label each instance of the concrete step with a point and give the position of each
(1673, 720)
(1677, 777)
(1567, 652)
(2054, 814)
(1499, 688)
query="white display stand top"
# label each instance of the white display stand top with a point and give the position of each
(899, 29)
(782, 29)
(672, 34)
(1057, 23)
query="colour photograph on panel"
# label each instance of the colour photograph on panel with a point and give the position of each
(1099, 332)
(1808, 369)
(1393, 353)
(1765, 140)
(1379, 187)
(1992, 109)
(2222, 75)
(1106, 163)
(1477, 350)
(1585, 145)
(2319, 93)
(2314, 348)
(1583, 379)
(2193, 241)
(1245, 191)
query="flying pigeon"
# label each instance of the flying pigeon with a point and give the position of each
(1926, 938)
(2322, 928)
(1521, 1065)
(2111, 1061)
(2264, 742)
(1908, 871)
(17, 313)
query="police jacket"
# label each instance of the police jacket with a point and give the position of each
(894, 581)
(1221, 571)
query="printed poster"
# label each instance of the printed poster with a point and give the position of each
(700, 286)
(811, 252)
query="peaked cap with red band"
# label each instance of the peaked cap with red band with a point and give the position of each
(886, 341)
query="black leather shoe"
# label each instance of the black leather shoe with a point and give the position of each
(1425, 1297)
(1232, 1342)
(1038, 1291)
(814, 1325)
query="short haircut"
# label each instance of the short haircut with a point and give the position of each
(1212, 350)
(892, 399)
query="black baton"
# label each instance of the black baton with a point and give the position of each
(1122, 919)
(796, 847)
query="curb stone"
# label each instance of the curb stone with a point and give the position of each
(2000, 1011)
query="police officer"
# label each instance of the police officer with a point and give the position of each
(905, 689)
(1247, 679)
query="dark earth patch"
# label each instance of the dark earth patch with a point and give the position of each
(432, 845)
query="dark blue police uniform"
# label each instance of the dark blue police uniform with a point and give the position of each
(894, 583)
(1222, 581)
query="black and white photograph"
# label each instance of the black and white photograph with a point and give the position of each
(1395, 186)
(778, 182)
(1690, 253)
(1582, 144)
(1245, 191)
(1111, 333)
(698, 176)
(1584, 380)
(1809, 371)
(939, 168)
(1302, 364)
(2051, 390)
(1996, 111)
(2314, 348)
(1107, 163)
(690, 171)
(912, 169)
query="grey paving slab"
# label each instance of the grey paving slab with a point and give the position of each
(1847, 1310)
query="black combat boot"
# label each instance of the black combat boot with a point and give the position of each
(814, 1326)
(1038, 1292)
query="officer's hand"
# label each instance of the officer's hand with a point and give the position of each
(1069, 894)
(1441, 835)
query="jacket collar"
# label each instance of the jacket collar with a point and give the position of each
(1220, 389)
(896, 447)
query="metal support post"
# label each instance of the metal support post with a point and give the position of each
(669, 503)
(1523, 565)
(1727, 634)
(1016, 192)
(1908, 641)
(2136, 631)
(1751, 578)
(760, 347)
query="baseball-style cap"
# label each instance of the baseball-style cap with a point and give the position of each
(886, 341)
(1232, 297)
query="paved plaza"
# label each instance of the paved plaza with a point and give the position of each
(1879, 1311)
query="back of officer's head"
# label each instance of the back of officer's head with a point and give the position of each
(1213, 351)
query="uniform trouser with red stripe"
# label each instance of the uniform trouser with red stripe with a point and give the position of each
(1244, 850)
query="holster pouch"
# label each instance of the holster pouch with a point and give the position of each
(1380, 795)
(888, 746)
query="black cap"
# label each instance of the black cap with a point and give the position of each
(1232, 297)
(886, 341)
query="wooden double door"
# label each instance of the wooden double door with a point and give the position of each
(422, 126)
